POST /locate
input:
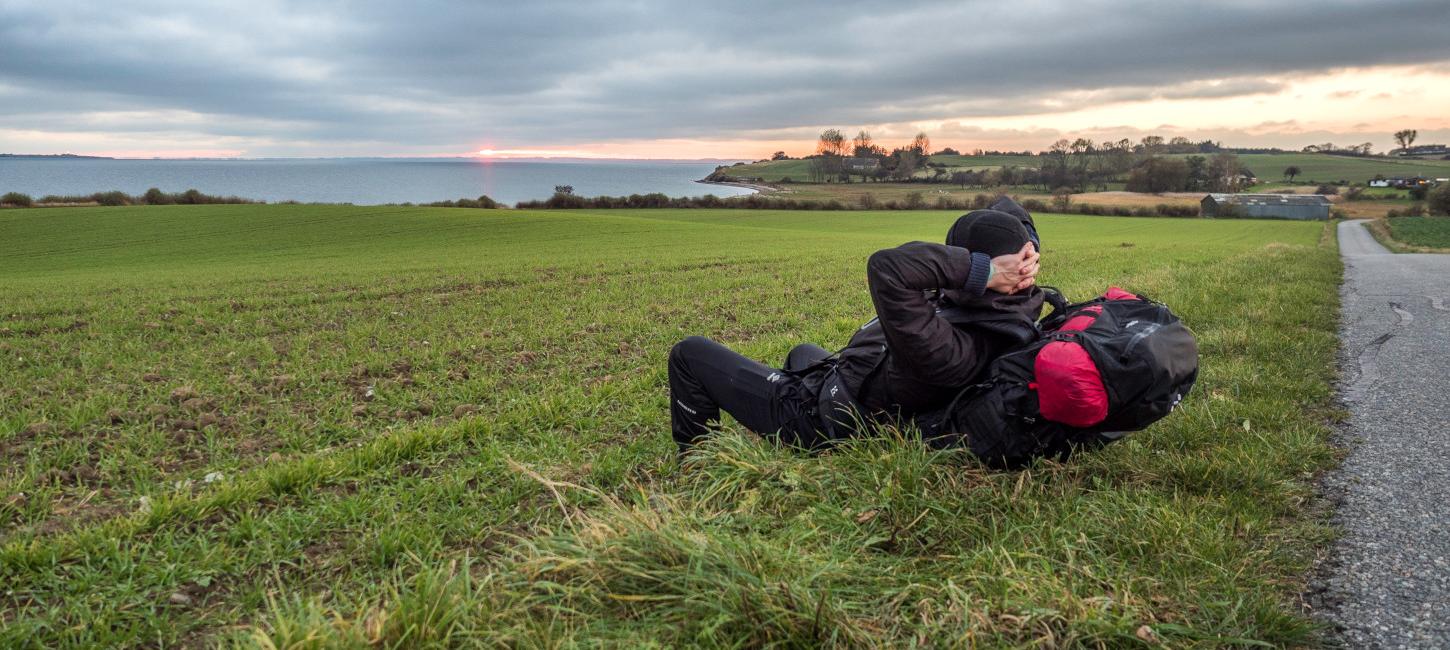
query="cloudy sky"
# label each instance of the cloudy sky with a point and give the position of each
(653, 78)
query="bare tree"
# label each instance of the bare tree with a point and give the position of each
(831, 143)
(861, 145)
(1223, 172)
(1054, 164)
(1406, 137)
(1083, 152)
(1119, 156)
(921, 144)
(1152, 143)
(1291, 171)
(864, 148)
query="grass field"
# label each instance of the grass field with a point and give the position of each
(1315, 168)
(851, 195)
(323, 426)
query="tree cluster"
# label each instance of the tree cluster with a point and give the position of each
(1155, 144)
(1365, 149)
(483, 202)
(153, 196)
(1082, 164)
(830, 162)
(1221, 173)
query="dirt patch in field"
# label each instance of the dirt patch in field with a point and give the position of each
(1367, 209)
(1138, 199)
(70, 512)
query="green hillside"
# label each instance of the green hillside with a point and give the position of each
(1316, 168)
(1322, 168)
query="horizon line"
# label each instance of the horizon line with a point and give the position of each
(381, 157)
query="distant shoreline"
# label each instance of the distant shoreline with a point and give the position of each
(360, 181)
(758, 187)
(52, 156)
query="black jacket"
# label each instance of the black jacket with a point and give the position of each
(921, 350)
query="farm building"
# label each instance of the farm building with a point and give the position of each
(1266, 206)
(1423, 150)
(1401, 183)
(1406, 183)
(858, 165)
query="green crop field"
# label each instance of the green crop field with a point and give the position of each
(332, 426)
(1314, 168)
(1323, 168)
(1429, 232)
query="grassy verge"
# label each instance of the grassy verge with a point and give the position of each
(324, 425)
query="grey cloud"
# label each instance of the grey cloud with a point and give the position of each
(441, 75)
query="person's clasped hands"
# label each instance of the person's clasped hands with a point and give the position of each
(1015, 271)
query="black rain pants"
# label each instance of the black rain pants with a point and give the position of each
(706, 377)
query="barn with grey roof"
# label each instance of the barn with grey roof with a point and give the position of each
(1267, 206)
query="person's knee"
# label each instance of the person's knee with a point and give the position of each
(804, 355)
(685, 350)
(687, 347)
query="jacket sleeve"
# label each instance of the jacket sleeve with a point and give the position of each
(922, 343)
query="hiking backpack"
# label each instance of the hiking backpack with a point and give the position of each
(1101, 368)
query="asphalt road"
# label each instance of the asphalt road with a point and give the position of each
(1387, 584)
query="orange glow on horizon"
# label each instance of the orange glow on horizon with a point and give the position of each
(535, 153)
(664, 149)
(1344, 103)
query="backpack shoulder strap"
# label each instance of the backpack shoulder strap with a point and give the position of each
(1015, 326)
(1054, 298)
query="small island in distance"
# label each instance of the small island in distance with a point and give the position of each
(53, 155)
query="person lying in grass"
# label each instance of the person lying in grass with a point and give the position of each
(943, 313)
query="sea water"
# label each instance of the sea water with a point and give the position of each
(367, 181)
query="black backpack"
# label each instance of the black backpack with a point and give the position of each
(1101, 368)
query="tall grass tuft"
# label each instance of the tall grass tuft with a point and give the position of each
(429, 609)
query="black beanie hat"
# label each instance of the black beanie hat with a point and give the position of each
(1006, 204)
(988, 231)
